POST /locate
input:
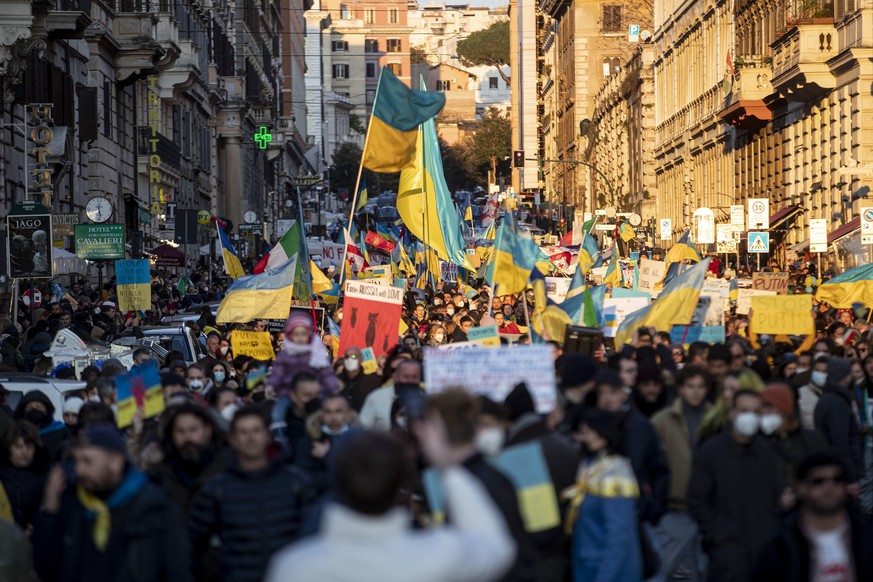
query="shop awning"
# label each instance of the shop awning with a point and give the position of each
(844, 230)
(168, 256)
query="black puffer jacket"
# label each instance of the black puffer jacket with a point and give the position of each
(24, 486)
(836, 421)
(254, 513)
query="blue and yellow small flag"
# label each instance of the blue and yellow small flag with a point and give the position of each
(512, 259)
(589, 255)
(845, 290)
(548, 320)
(683, 250)
(139, 389)
(362, 196)
(232, 265)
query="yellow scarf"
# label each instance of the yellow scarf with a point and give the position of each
(102, 520)
(608, 476)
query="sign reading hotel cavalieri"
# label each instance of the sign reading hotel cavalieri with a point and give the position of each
(99, 241)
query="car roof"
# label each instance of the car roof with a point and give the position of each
(15, 381)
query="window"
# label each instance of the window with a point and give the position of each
(393, 16)
(492, 83)
(345, 13)
(443, 85)
(340, 46)
(340, 71)
(395, 68)
(371, 45)
(611, 65)
(393, 45)
(369, 16)
(371, 70)
(371, 96)
(611, 19)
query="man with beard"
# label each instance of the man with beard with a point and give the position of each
(111, 524)
(192, 454)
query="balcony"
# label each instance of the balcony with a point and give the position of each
(69, 19)
(139, 51)
(800, 61)
(749, 104)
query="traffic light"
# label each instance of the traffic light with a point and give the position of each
(518, 159)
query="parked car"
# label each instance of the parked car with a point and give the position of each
(190, 314)
(164, 339)
(387, 215)
(57, 390)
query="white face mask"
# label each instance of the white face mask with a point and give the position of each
(439, 338)
(818, 355)
(196, 385)
(352, 364)
(770, 423)
(450, 311)
(228, 412)
(489, 441)
(343, 429)
(747, 424)
(800, 370)
(401, 421)
(223, 350)
(94, 398)
(818, 378)
(219, 376)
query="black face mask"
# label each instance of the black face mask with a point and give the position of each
(312, 406)
(259, 397)
(37, 417)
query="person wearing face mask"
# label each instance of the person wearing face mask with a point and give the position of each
(197, 380)
(809, 394)
(305, 402)
(324, 428)
(436, 336)
(779, 423)
(219, 374)
(36, 408)
(736, 491)
(356, 385)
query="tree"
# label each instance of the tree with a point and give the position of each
(344, 167)
(460, 173)
(492, 142)
(487, 47)
(417, 56)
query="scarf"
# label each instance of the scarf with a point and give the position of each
(606, 476)
(101, 511)
(315, 348)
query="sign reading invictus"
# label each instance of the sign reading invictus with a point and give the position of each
(99, 241)
(41, 135)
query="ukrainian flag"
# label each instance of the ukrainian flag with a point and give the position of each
(425, 203)
(548, 320)
(232, 265)
(264, 296)
(674, 306)
(844, 291)
(362, 196)
(683, 250)
(512, 259)
(589, 255)
(613, 272)
(393, 130)
(579, 302)
(734, 289)
(626, 232)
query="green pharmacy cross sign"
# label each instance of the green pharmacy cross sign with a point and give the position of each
(263, 137)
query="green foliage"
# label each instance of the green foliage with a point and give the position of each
(460, 173)
(344, 167)
(356, 125)
(490, 147)
(486, 47)
(417, 56)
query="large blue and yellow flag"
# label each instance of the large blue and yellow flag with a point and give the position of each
(683, 250)
(264, 296)
(589, 255)
(674, 306)
(548, 319)
(844, 291)
(425, 203)
(232, 265)
(393, 130)
(513, 257)
(579, 302)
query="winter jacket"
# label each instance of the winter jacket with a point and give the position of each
(16, 557)
(808, 396)
(287, 366)
(358, 388)
(254, 514)
(54, 434)
(835, 419)
(787, 557)
(24, 487)
(646, 454)
(734, 497)
(606, 544)
(183, 481)
(673, 430)
(794, 446)
(146, 543)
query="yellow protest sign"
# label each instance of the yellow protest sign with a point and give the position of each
(486, 336)
(782, 314)
(368, 361)
(256, 344)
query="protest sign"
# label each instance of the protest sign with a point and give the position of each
(651, 273)
(448, 272)
(381, 275)
(782, 314)
(557, 287)
(371, 316)
(744, 299)
(622, 293)
(368, 361)
(707, 323)
(256, 344)
(494, 372)
(133, 285)
(331, 254)
(139, 389)
(776, 282)
(486, 336)
(616, 309)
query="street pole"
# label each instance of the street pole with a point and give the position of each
(586, 164)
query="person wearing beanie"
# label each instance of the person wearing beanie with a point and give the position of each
(649, 395)
(718, 361)
(72, 406)
(779, 422)
(837, 422)
(602, 510)
(111, 523)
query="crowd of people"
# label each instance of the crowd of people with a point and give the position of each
(749, 460)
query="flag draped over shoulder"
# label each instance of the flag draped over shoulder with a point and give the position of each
(674, 306)
(425, 203)
(845, 290)
(513, 257)
(393, 128)
(232, 265)
(263, 296)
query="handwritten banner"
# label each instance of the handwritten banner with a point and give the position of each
(651, 273)
(133, 285)
(783, 314)
(776, 282)
(256, 344)
(744, 299)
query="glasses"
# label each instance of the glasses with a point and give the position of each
(818, 481)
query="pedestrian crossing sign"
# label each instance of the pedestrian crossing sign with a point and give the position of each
(759, 242)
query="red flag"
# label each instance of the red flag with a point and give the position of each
(376, 241)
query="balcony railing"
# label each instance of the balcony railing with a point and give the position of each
(167, 149)
(800, 68)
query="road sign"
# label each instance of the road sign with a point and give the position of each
(759, 242)
(818, 235)
(866, 225)
(727, 237)
(759, 213)
(705, 222)
(666, 228)
(633, 33)
(738, 216)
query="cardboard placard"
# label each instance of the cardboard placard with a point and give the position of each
(256, 344)
(494, 372)
(707, 323)
(368, 361)
(651, 273)
(783, 314)
(487, 336)
(371, 316)
(616, 309)
(139, 389)
(744, 299)
(776, 282)
(557, 287)
(133, 285)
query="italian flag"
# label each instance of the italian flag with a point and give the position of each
(287, 247)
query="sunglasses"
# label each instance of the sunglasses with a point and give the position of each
(818, 481)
